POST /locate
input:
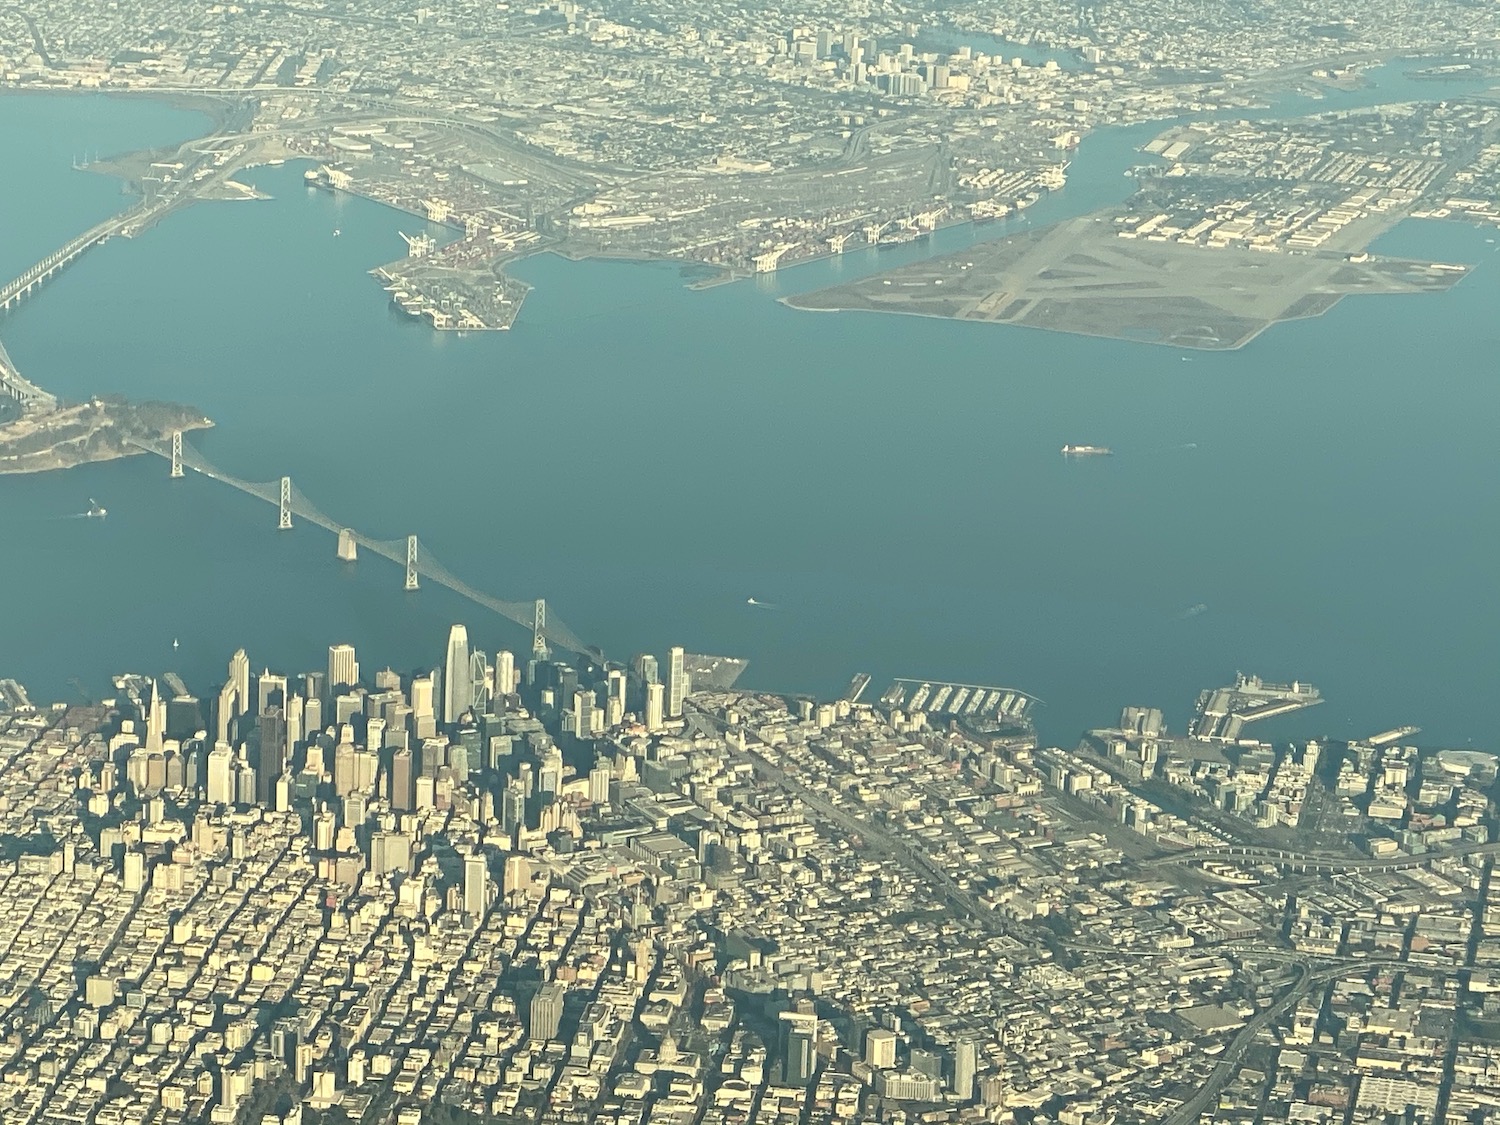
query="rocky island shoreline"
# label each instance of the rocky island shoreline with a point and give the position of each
(101, 429)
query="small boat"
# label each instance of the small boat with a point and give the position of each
(1086, 451)
(176, 643)
(337, 232)
(97, 511)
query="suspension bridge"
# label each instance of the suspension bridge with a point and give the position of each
(408, 553)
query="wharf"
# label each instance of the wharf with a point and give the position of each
(1223, 713)
(978, 704)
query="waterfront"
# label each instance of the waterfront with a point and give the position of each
(649, 457)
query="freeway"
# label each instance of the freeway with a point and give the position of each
(1279, 857)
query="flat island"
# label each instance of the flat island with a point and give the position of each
(1081, 277)
(101, 429)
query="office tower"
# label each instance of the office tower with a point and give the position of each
(375, 734)
(458, 762)
(403, 793)
(965, 1063)
(293, 721)
(880, 1047)
(547, 1011)
(348, 705)
(599, 785)
(517, 874)
(244, 783)
(387, 679)
(270, 691)
(421, 698)
(268, 764)
(156, 721)
(583, 713)
(458, 688)
(647, 669)
(926, 1062)
(224, 713)
(677, 686)
(312, 715)
(655, 706)
(476, 885)
(221, 774)
(343, 669)
(799, 1059)
(239, 676)
(343, 771)
(434, 756)
(512, 809)
(550, 772)
(505, 672)
(135, 870)
(315, 685)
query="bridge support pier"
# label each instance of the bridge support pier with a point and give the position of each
(284, 518)
(176, 473)
(348, 550)
(411, 562)
(539, 650)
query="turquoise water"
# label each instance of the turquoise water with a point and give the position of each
(648, 457)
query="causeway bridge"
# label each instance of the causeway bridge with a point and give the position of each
(14, 385)
(548, 632)
(18, 289)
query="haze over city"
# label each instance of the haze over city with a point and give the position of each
(697, 564)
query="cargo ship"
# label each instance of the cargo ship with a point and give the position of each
(1086, 451)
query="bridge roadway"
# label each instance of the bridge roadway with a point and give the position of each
(1249, 856)
(15, 385)
(522, 613)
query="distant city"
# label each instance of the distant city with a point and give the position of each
(534, 890)
(549, 887)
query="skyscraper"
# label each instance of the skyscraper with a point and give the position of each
(268, 765)
(221, 775)
(343, 669)
(655, 703)
(476, 885)
(965, 1063)
(800, 1059)
(880, 1047)
(270, 691)
(156, 721)
(403, 798)
(547, 1011)
(677, 687)
(505, 672)
(458, 689)
(239, 676)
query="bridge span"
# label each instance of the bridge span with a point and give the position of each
(408, 553)
(19, 288)
(14, 385)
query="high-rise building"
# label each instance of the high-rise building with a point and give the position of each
(655, 706)
(880, 1047)
(221, 774)
(343, 669)
(800, 1058)
(476, 885)
(403, 792)
(599, 785)
(677, 685)
(458, 688)
(547, 1011)
(156, 721)
(239, 676)
(268, 764)
(505, 672)
(965, 1063)
(270, 691)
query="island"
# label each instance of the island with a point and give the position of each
(101, 429)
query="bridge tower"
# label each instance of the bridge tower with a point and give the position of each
(411, 562)
(284, 518)
(348, 549)
(176, 455)
(539, 650)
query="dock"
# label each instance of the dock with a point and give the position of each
(981, 705)
(1223, 713)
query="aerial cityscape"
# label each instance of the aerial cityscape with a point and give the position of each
(1067, 702)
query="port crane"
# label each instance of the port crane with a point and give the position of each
(770, 259)
(418, 245)
(836, 242)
